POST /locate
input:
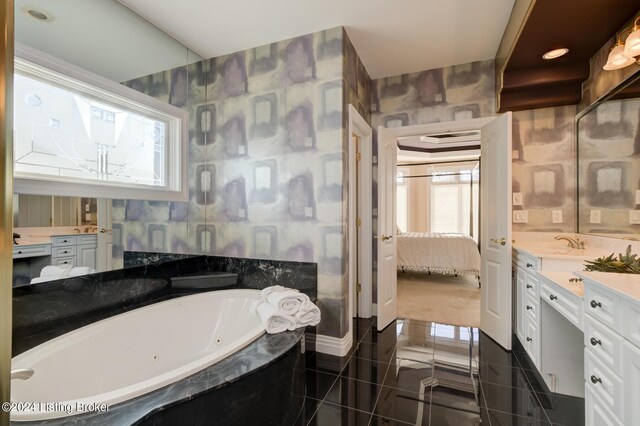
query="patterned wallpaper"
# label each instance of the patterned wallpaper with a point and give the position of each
(266, 150)
(609, 175)
(543, 161)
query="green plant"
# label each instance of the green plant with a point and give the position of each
(621, 264)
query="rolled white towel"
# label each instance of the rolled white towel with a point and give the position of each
(287, 302)
(274, 322)
(55, 271)
(309, 314)
(265, 292)
(80, 270)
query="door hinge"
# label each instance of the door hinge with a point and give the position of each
(358, 287)
(358, 222)
(358, 156)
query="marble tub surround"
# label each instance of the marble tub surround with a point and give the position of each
(44, 311)
(252, 273)
(269, 370)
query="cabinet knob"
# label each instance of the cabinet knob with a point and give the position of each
(529, 286)
(595, 341)
(529, 339)
(553, 297)
(64, 241)
(65, 251)
(20, 252)
(529, 307)
(529, 265)
(595, 304)
(595, 379)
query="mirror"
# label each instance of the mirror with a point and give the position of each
(90, 233)
(32, 211)
(609, 165)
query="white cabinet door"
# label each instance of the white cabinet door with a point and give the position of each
(520, 310)
(87, 255)
(631, 394)
(532, 340)
(596, 413)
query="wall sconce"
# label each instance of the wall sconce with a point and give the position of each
(624, 54)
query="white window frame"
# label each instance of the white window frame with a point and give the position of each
(38, 65)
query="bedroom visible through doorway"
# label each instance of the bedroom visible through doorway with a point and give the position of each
(437, 206)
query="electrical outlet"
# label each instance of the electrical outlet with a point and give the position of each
(595, 216)
(517, 198)
(634, 217)
(556, 216)
(520, 216)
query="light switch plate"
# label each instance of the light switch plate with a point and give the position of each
(520, 216)
(517, 198)
(556, 216)
(595, 216)
(634, 217)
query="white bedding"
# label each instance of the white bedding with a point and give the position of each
(445, 253)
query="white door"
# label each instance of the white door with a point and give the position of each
(387, 244)
(87, 255)
(495, 229)
(104, 257)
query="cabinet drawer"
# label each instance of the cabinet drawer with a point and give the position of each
(68, 240)
(603, 305)
(568, 304)
(631, 323)
(597, 413)
(604, 382)
(532, 308)
(31, 251)
(631, 368)
(64, 261)
(87, 239)
(65, 251)
(528, 263)
(605, 344)
(531, 285)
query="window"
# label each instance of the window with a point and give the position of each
(402, 200)
(79, 134)
(454, 194)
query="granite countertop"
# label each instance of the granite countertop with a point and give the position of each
(626, 285)
(562, 279)
(40, 239)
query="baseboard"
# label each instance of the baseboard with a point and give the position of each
(338, 346)
(375, 309)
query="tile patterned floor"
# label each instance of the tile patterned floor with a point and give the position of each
(420, 373)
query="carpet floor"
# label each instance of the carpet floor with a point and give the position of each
(439, 298)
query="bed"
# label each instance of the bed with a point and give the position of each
(445, 253)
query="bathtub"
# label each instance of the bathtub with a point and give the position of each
(131, 354)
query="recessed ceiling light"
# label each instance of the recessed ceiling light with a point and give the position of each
(555, 53)
(38, 15)
(33, 100)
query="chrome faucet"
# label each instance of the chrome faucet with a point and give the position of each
(77, 230)
(21, 373)
(577, 243)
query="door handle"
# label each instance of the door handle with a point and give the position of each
(501, 241)
(386, 237)
(104, 230)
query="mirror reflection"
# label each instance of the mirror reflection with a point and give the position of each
(58, 235)
(609, 166)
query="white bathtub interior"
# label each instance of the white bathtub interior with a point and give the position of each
(134, 353)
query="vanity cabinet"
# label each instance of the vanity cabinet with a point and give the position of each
(612, 352)
(527, 310)
(74, 250)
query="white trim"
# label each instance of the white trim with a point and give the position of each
(36, 64)
(334, 345)
(375, 309)
(359, 127)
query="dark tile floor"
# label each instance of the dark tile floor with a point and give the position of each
(418, 373)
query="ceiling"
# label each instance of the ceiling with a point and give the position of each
(101, 36)
(583, 26)
(391, 38)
